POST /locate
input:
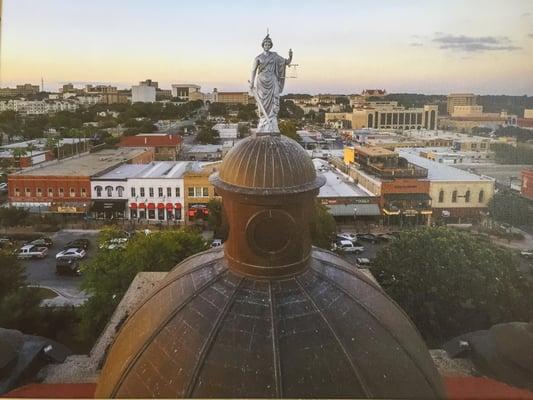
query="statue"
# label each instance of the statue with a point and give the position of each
(269, 69)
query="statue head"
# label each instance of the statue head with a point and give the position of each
(267, 43)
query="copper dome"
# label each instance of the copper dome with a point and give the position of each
(267, 165)
(329, 332)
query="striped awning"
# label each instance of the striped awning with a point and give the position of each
(348, 210)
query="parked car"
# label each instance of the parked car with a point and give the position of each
(347, 246)
(385, 237)
(216, 243)
(363, 261)
(71, 253)
(78, 244)
(347, 236)
(527, 253)
(44, 241)
(367, 237)
(68, 266)
(30, 251)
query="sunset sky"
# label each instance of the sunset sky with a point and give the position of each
(342, 46)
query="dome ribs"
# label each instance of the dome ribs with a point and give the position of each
(206, 346)
(377, 319)
(355, 370)
(161, 326)
(275, 346)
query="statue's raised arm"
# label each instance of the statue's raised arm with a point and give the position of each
(266, 83)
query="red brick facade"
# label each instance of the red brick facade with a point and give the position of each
(527, 183)
(47, 189)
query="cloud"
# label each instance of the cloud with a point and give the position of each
(416, 44)
(473, 44)
(526, 14)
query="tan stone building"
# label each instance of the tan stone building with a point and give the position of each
(198, 192)
(460, 99)
(232, 97)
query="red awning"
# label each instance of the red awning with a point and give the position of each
(170, 206)
(142, 205)
(161, 205)
(178, 206)
(151, 206)
(133, 205)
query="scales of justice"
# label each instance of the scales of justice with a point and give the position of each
(266, 85)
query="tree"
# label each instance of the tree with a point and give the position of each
(218, 109)
(290, 110)
(510, 208)
(508, 154)
(451, 282)
(12, 216)
(207, 135)
(323, 227)
(217, 219)
(108, 275)
(288, 128)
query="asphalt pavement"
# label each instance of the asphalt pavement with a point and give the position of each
(43, 272)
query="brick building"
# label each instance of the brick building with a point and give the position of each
(166, 147)
(64, 187)
(527, 183)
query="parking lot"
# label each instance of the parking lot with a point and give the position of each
(370, 252)
(43, 272)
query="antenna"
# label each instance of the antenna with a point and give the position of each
(42, 84)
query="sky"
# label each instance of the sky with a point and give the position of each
(340, 46)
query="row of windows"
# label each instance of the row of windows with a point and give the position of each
(142, 191)
(196, 191)
(51, 192)
(480, 198)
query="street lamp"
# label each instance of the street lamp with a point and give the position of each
(354, 214)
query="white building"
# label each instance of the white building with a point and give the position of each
(187, 92)
(38, 107)
(143, 94)
(142, 192)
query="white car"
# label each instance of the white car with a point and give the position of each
(3, 187)
(71, 253)
(216, 243)
(363, 261)
(348, 236)
(527, 253)
(347, 246)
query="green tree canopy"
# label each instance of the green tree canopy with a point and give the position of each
(323, 226)
(510, 208)
(109, 273)
(217, 219)
(508, 154)
(451, 282)
(207, 135)
(289, 129)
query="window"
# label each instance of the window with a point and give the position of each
(62, 191)
(72, 192)
(454, 196)
(151, 192)
(133, 192)
(467, 196)
(83, 192)
(27, 191)
(197, 192)
(142, 192)
(97, 189)
(481, 197)
(120, 191)
(191, 192)
(50, 192)
(177, 192)
(441, 196)
(169, 192)
(39, 192)
(205, 192)
(160, 192)
(109, 190)
(17, 192)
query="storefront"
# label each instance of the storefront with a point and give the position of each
(155, 212)
(109, 209)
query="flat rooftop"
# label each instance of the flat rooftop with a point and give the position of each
(154, 170)
(90, 164)
(337, 184)
(441, 172)
(374, 151)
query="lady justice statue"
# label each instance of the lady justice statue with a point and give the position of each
(269, 69)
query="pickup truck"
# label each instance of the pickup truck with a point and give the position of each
(30, 251)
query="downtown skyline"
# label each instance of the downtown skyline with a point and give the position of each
(435, 48)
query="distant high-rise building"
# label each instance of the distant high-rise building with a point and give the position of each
(143, 94)
(460, 99)
(150, 83)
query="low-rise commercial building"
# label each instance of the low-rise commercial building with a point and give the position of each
(187, 92)
(527, 183)
(456, 195)
(64, 186)
(166, 147)
(26, 89)
(198, 191)
(460, 99)
(232, 97)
